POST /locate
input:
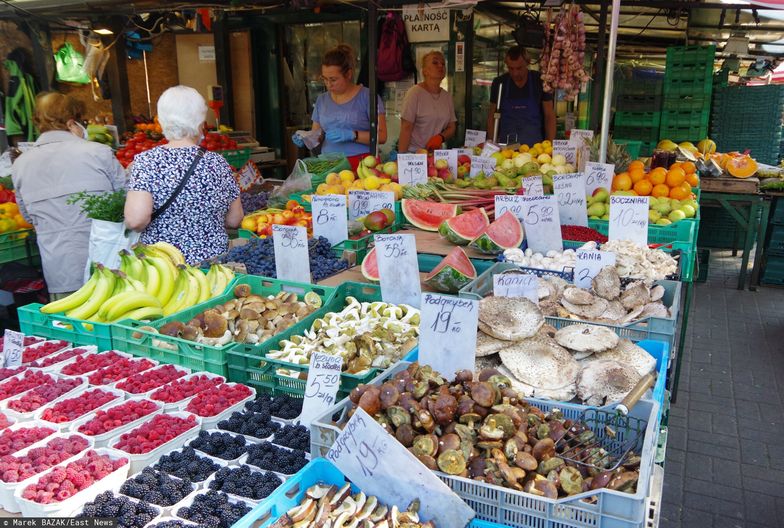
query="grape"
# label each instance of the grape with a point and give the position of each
(253, 202)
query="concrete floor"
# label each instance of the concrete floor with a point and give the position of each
(725, 452)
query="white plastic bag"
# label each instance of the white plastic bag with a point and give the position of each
(107, 239)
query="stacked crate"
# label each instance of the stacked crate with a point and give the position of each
(773, 273)
(638, 112)
(688, 84)
(749, 118)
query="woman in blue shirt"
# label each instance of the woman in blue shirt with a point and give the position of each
(343, 111)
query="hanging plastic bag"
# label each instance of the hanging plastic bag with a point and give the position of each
(69, 65)
(298, 181)
(107, 239)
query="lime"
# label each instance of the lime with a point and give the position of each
(313, 299)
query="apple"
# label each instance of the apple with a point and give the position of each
(443, 174)
(688, 210)
(432, 172)
(654, 216)
(676, 215)
(600, 194)
(369, 161)
(462, 159)
(442, 164)
(543, 158)
(559, 159)
(390, 168)
(462, 171)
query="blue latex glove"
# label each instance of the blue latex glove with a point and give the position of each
(297, 140)
(393, 155)
(340, 135)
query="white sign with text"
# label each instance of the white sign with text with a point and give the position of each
(489, 149)
(532, 186)
(509, 202)
(589, 262)
(570, 190)
(516, 285)
(330, 217)
(450, 156)
(362, 203)
(566, 149)
(322, 386)
(412, 168)
(598, 176)
(474, 138)
(292, 261)
(483, 165)
(447, 333)
(629, 219)
(542, 223)
(398, 269)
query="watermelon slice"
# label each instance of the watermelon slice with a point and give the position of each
(452, 273)
(370, 266)
(463, 228)
(505, 232)
(427, 215)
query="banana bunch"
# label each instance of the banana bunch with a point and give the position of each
(100, 134)
(153, 281)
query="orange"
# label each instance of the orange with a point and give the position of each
(679, 193)
(675, 165)
(675, 177)
(688, 167)
(621, 182)
(636, 164)
(685, 186)
(636, 174)
(693, 179)
(643, 187)
(660, 190)
(657, 175)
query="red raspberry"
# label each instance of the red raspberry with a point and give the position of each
(13, 441)
(10, 371)
(217, 399)
(28, 380)
(70, 409)
(119, 370)
(39, 350)
(150, 379)
(58, 358)
(115, 416)
(154, 433)
(90, 362)
(40, 396)
(4, 421)
(39, 459)
(185, 388)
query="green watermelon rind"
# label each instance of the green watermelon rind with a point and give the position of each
(448, 280)
(408, 214)
(447, 231)
(486, 244)
(365, 272)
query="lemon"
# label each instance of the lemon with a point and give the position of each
(346, 177)
(313, 299)
(372, 183)
(332, 178)
(248, 223)
(323, 188)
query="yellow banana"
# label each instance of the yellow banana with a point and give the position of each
(218, 281)
(77, 298)
(168, 275)
(135, 284)
(192, 292)
(132, 266)
(174, 254)
(131, 301)
(103, 290)
(178, 296)
(201, 280)
(146, 313)
(153, 279)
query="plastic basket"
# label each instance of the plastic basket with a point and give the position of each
(18, 245)
(611, 509)
(55, 367)
(58, 326)
(102, 440)
(637, 119)
(119, 397)
(211, 422)
(17, 426)
(27, 416)
(248, 364)
(237, 158)
(180, 405)
(128, 336)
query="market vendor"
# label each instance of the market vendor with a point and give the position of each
(428, 118)
(527, 112)
(62, 163)
(178, 192)
(343, 111)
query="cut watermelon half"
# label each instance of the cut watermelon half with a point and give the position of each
(463, 228)
(505, 232)
(452, 273)
(370, 266)
(427, 215)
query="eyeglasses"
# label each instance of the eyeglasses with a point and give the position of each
(330, 80)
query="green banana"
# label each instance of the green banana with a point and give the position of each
(77, 298)
(152, 283)
(178, 296)
(103, 290)
(145, 313)
(131, 301)
(201, 280)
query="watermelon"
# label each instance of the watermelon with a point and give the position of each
(505, 232)
(427, 215)
(463, 228)
(370, 266)
(452, 273)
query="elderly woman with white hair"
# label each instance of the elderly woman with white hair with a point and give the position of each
(178, 192)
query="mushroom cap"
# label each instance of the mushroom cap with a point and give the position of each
(614, 311)
(586, 338)
(607, 284)
(565, 393)
(586, 311)
(635, 294)
(487, 345)
(559, 284)
(627, 353)
(657, 292)
(509, 318)
(655, 309)
(605, 381)
(541, 364)
(487, 362)
(576, 295)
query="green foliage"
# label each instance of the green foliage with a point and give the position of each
(108, 206)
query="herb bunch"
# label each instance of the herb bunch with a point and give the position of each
(108, 206)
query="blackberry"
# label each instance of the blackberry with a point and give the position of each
(258, 425)
(280, 406)
(171, 524)
(220, 445)
(129, 514)
(258, 255)
(293, 436)
(213, 509)
(156, 487)
(187, 464)
(246, 483)
(273, 458)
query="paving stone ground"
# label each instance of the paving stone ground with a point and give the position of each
(725, 452)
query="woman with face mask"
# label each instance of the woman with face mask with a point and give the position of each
(343, 112)
(59, 164)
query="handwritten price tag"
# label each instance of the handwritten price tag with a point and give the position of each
(450, 156)
(447, 333)
(412, 168)
(489, 149)
(330, 217)
(322, 386)
(532, 186)
(516, 285)
(362, 203)
(567, 149)
(589, 263)
(578, 138)
(398, 269)
(598, 176)
(542, 223)
(509, 202)
(481, 164)
(474, 138)
(570, 190)
(13, 345)
(379, 465)
(292, 261)
(629, 219)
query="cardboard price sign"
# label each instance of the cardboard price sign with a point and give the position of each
(474, 138)
(13, 346)
(330, 217)
(542, 223)
(362, 203)
(532, 186)
(412, 168)
(567, 149)
(509, 202)
(570, 190)
(589, 263)
(321, 387)
(451, 159)
(516, 285)
(398, 269)
(481, 164)
(629, 219)
(598, 176)
(292, 261)
(447, 333)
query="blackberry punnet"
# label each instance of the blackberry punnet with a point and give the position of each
(129, 513)
(171, 524)
(258, 425)
(156, 487)
(293, 436)
(187, 464)
(245, 483)
(213, 509)
(274, 458)
(220, 445)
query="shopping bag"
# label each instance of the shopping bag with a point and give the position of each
(107, 239)
(69, 65)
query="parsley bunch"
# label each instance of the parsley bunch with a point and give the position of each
(108, 206)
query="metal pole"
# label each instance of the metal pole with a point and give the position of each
(372, 47)
(608, 81)
(147, 84)
(596, 95)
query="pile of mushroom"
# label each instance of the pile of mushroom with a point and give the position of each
(366, 335)
(325, 506)
(552, 260)
(638, 262)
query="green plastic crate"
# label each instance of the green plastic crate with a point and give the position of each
(637, 119)
(774, 271)
(360, 246)
(428, 261)
(703, 264)
(632, 146)
(248, 364)
(684, 231)
(775, 243)
(685, 56)
(236, 158)
(637, 87)
(645, 134)
(127, 335)
(687, 104)
(638, 102)
(18, 245)
(56, 326)
(685, 118)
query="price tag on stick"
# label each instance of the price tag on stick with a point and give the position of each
(447, 333)
(598, 176)
(542, 223)
(629, 219)
(567, 149)
(321, 387)
(398, 269)
(330, 217)
(292, 261)
(570, 190)
(516, 285)
(450, 156)
(362, 203)
(412, 168)
(13, 346)
(589, 263)
(379, 465)
(474, 138)
(532, 186)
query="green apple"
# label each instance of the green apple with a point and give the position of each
(688, 210)
(597, 209)
(663, 222)
(663, 207)
(601, 195)
(499, 158)
(606, 216)
(676, 215)
(653, 216)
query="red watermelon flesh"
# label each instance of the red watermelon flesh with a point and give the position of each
(463, 228)
(427, 215)
(505, 232)
(370, 266)
(452, 273)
